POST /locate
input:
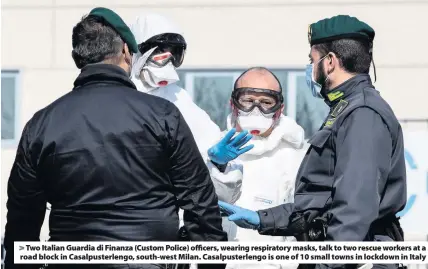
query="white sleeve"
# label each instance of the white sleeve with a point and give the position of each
(227, 184)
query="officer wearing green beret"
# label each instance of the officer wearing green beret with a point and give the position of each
(107, 48)
(115, 163)
(352, 181)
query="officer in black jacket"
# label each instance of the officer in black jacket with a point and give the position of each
(352, 180)
(114, 163)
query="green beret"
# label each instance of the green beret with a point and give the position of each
(339, 27)
(116, 22)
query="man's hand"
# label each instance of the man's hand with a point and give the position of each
(229, 149)
(242, 217)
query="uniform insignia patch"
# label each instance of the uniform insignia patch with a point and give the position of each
(339, 108)
(329, 122)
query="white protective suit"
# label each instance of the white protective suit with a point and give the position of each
(204, 130)
(270, 174)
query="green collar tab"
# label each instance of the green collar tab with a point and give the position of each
(334, 95)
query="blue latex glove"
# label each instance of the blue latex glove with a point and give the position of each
(242, 217)
(230, 148)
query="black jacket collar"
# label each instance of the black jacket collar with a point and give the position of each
(103, 73)
(348, 88)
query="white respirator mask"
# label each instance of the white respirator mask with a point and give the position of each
(159, 76)
(255, 122)
(148, 76)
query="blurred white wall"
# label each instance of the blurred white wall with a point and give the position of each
(36, 41)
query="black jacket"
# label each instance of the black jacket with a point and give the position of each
(354, 170)
(114, 163)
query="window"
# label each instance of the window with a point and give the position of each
(9, 118)
(211, 89)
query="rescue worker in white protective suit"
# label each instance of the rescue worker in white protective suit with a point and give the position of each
(161, 51)
(271, 166)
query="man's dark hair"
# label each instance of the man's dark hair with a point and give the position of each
(354, 55)
(260, 69)
(94, 41)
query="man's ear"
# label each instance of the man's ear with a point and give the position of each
(127, 53)
(282, 108)
(331, 57)
(333, 62)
